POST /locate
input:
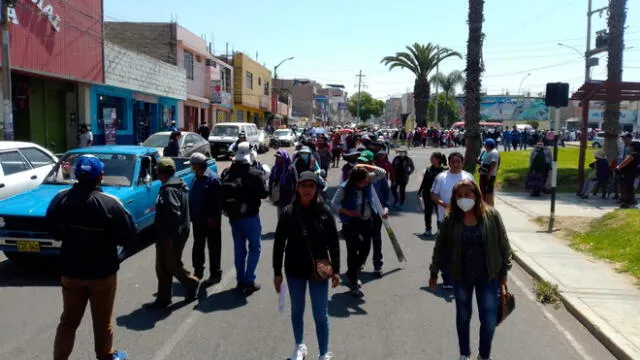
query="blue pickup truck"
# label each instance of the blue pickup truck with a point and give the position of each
(129, 175)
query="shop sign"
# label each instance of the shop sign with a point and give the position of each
(45, 10)
(216, 92)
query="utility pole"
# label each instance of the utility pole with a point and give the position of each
(6, 74)
(360, 76)
(437, 85)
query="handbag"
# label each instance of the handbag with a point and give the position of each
(506, 304)
(321, 269)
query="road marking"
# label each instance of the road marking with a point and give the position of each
(186, 325)
(572, 340)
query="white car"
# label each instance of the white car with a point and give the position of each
(598, 141)
(286, 137)
(23, 166)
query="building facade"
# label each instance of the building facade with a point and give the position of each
(252, 90)
(141, 96)
(56, 53)
(304, 93)
(337, 113)
(221, 91)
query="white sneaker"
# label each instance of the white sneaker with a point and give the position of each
(299, 352)
(327, 356)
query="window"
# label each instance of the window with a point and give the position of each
(249, 80)
(240, 115)
(266, 88)
(168, 114)
(259, 81)
(12, 163)
(111, 112)
(188, 64)
(118, 169)
(190, 139)
(36, 157)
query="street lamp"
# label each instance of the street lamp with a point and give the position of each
(522, 82)
(275, 69)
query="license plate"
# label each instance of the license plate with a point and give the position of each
(28, 246)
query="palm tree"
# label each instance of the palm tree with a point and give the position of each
(611, 125)
(420, 60)
(448, 82)
(475, 67)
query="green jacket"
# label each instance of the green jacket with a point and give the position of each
(449, 241)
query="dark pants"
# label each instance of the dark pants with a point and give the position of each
(429, 208)
(487, 297)
(376, 238)
(357, 234)
(100, 294)
(628, 191)
(515, 144)
(212, 238)
(402, 186)
(169, 265)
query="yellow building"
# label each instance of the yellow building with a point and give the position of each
(252, 90)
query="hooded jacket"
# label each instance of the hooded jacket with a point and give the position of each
(282, 176)
(172, 210)
(253, 186)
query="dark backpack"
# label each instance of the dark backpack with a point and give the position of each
(232, 197)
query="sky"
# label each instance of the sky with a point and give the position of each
(331, 40)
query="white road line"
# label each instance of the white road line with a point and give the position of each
(572, 340)
(186, 326)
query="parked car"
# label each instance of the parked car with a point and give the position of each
(129, 175)
(23, 166)
(598, 142)
(286, 137)
(189, 143)
(225, 134)
(263, 141)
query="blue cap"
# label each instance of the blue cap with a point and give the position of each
(88, 167)
(490, 142)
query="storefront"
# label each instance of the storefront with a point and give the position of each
(248, 114)
(126, 117)
(47, 83)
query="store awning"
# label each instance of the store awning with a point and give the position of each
(198, 99)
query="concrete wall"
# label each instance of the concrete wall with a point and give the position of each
(131, 70)
(157, 40)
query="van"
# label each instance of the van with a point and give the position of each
(225, 134)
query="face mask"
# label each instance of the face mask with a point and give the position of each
(466, 204)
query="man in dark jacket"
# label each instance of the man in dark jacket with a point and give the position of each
(172, 227)
(242, 190)
(173, 148)
(203, 130)
(205, 214)
(91, 226)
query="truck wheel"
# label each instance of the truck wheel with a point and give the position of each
(18, 257)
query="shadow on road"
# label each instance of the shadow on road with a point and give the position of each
(143, 319)
(367, 277)
(446, 295)
(42, 271)
(222, 301)
(344, 305)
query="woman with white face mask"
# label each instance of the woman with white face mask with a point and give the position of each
(474, 243)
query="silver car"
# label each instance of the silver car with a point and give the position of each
(189, 143)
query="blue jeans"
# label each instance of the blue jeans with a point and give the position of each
(244, 229)
(319, 292)
(487, 296)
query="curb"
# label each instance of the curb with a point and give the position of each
(572, 305)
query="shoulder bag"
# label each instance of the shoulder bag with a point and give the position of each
(506, 304)
(321, 269)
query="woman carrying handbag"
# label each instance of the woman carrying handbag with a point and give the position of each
(474, 243)
(307, 234)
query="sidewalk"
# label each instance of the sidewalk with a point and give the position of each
(607, 303)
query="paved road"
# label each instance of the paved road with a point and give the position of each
(397, 319)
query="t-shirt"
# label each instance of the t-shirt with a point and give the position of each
(85, 138)
(490, 157)
(443, 187)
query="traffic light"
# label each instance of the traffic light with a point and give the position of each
(557, 95)
(602, 40)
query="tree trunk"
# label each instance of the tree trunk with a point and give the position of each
(472, 85)
(421, 94)
(611, 125)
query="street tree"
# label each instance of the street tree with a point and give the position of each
(369, 107)
(421, 60)
(448, 110)
(448, 82)
(611, 125)
(475, 67)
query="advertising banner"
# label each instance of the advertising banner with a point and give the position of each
(628, 112)
(501, 108)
